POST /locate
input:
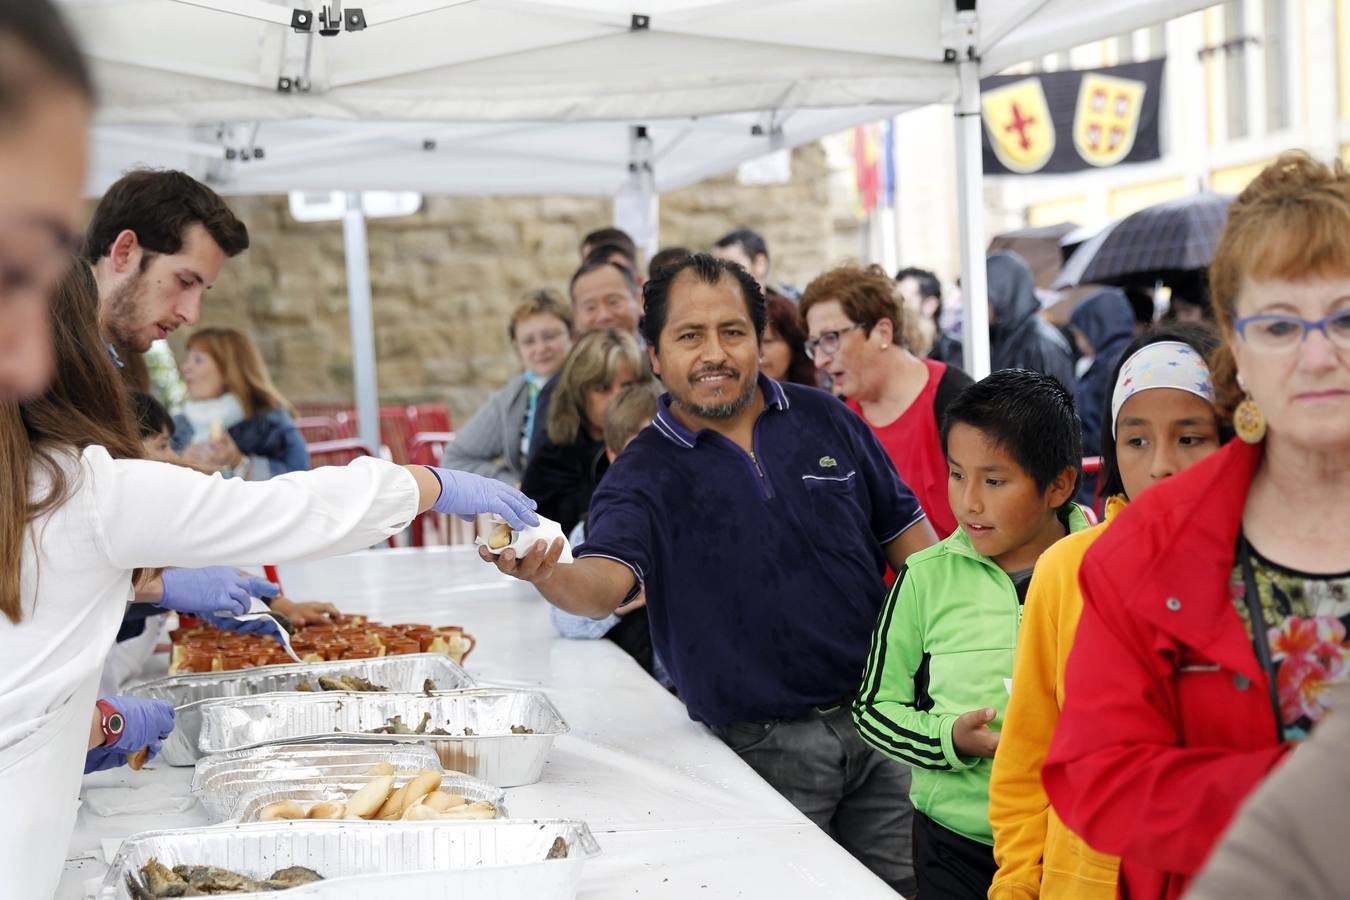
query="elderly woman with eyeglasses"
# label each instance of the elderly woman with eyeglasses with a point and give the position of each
(1217, 606)
(873, 349)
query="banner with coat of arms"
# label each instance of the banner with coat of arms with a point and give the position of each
(1055, 122)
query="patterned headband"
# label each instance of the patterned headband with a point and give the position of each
(1166, 364)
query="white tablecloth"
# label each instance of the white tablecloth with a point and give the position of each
(677, 814)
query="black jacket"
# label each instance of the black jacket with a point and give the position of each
(1018, 337)
(1107, 321)
(562, 478)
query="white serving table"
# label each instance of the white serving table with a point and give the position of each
(677, 814)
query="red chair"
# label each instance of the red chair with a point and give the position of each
(396, 432)
(319, 408)
(318, 428)
(339, 453)
(430, 417)
(336, 452)
(426, 449)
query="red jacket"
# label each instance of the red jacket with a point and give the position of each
(1167, 723)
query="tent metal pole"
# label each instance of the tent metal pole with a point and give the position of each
(970, 199)
(362, 322)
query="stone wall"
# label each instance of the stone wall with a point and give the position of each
(444, 280)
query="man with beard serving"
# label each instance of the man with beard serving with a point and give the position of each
(760, 517)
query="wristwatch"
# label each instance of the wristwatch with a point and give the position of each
(111, 721)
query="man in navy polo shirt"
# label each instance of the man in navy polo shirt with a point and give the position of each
(760, 518)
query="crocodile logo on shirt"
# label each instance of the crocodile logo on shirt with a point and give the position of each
(827, 462)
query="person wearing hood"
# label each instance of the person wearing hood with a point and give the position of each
(1018, 337)
(1103, 325)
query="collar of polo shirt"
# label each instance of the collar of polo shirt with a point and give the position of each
(670, 427)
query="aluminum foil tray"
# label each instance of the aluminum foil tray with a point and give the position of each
(315, 791)
(491, 753)
(187, 692)
(375, 860)
(223, 779)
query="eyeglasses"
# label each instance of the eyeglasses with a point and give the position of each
(1276, 333)
(827, 342)
(543, 337)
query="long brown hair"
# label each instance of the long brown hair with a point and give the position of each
(85, 404)
(593, 362)
(242, 368)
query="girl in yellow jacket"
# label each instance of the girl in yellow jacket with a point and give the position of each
(1162, 421)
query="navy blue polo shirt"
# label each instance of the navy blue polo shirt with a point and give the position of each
(764, 574)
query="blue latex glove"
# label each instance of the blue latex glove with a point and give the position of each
(466, 495)
(202, 592)
(148, 722)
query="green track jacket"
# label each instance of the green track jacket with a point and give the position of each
(943, 646)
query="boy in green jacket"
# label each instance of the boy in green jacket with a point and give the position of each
(936, 680)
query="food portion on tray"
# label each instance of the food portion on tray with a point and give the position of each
(500, 735)
(422, 673)
(226, 782)
(202, 648)
(157, 880)
(387, 796)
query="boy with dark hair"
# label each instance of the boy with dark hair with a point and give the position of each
(942, 654)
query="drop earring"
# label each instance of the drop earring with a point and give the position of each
(1249, 423)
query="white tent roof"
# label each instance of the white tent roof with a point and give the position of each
(528, 96)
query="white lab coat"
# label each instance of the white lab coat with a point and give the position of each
(75, 583)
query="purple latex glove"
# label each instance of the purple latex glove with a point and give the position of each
(466, 495)
(202, 592)
(148, 722)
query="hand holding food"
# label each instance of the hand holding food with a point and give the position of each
(466, 495)
(145, 724)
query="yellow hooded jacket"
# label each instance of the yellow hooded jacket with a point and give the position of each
(1037, 855)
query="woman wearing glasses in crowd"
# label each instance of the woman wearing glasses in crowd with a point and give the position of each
(874, 352)
(1217, 604)
(496, 441)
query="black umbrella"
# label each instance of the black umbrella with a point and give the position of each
(1160, 243)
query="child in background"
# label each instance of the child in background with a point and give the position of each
(156, 427)
(943, 650)
(1161, 421)
(631, 410)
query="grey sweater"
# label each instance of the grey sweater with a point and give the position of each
(489, 443)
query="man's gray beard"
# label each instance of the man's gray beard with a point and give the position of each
(121, 312)
(722, 410)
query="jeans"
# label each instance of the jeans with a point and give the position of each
(853, 793)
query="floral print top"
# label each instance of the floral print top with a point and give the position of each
(1306, 622)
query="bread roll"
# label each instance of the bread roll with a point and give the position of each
(426, 781)
(281, 809)
(499, 538)
(383, 768)
(441, 801)
(367, 801)
(480, 809)
(393, 806)
(420, 813)
(329, 809)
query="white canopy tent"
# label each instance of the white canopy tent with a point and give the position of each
(529, 96)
